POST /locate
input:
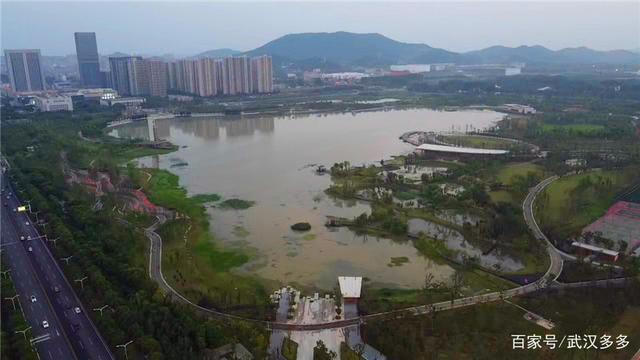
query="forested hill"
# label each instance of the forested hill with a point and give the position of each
(345, 48)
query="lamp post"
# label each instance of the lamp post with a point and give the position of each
(124, 346)
(101, 309)
(5, 273)
(13, 300)
(81, 281)
(24, 332)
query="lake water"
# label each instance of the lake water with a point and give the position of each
(269, 160)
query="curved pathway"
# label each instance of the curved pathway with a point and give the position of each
(548, 279)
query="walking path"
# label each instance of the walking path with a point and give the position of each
(548, 280)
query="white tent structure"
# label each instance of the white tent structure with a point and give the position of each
(350, 287)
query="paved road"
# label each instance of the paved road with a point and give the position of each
(54, 343)
(41, 273)
(555, 267)
(554, 270)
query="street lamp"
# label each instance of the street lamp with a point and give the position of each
(125, 348)
(81, 281)
(66, 259)
(24, 332)
(13, 300)
(5, 273)
(53, 240)
(101, 309)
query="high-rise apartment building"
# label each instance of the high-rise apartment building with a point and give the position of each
(124, 77)
(228, 76)
(155, 72)
(262, 74)
(133, 75)
(88, 60)
(25, 70)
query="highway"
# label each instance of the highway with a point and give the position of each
(71, 333)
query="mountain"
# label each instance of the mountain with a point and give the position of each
(503, 55)
(344, 48)
(350, 48)
(217, 53)
(540, 54)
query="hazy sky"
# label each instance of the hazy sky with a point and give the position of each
(184, 28)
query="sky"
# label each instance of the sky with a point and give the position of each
(187, 28)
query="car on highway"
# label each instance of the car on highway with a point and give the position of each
(77, 310)
(26, 223)
(45, 324)
(21, 238)
(33, 298)
(30, 249)
(56, 289)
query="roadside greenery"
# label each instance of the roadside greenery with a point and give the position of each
(111, 255)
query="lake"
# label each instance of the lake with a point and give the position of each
(270, 160)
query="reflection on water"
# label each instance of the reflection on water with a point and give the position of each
(266, 160)
(455, 241)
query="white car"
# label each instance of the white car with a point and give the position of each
(33, 298)
(21, 238)
(26, 223)
(30, 249)
(77, 310)
(45, 324)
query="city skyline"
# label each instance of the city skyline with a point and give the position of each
(472, 25)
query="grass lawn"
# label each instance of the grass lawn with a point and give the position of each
(347, 354)
(502, 196)
(513, 177)
(577, 129)
(477, 282)
(507, 174)
(478, 142)
(566, 206)
(289, 349)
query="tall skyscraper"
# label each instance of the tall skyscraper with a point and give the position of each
(25, 70)
(123, 75)
(88, 60)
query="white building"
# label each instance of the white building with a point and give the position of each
(98, 94)
(520, 109)
(46, 103)
(510, 71)
(344, 76)
(412, 68)
(575, 162)
(126, 101)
